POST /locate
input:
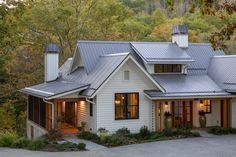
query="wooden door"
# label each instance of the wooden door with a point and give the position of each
(159, 117)
(70, 115)
(182, 113)
(225, 113)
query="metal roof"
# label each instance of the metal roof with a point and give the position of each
(52, 89)
(102, 70)
(152, 94)
(179, 29)
(90, 51)
(223, 71)
(176, 83)
(202, 54)
(161, 52)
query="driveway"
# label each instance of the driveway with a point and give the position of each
(215, 146)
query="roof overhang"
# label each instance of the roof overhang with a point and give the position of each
(48, 94)
(197, 95)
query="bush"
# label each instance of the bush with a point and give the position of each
(37, 144)
(88, 136)
(53, 135)
(144, 132)
(22, 142)
(184, 129)
(196, 134)
(7, 139)
(222, 131)
(81, 146)
(168, 132)
(123, 132)
(115, 140)
(156, 135)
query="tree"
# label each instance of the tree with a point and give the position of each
(7, 118)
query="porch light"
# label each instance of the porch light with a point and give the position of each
(201, 104)
(166, 105)
(82, 102)
(117, 102)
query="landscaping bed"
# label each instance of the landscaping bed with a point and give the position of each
(44, 143)
(124, 137)
(221, 131)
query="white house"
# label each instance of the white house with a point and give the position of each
(113, 84)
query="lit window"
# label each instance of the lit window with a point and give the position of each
(126, 106)
(126, 75)
(206, 105)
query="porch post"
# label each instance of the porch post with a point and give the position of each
(53, 118)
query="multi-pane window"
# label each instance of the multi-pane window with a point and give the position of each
(167, 68)
(126, 106)
(206, 105)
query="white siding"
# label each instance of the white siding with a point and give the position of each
(105, 99)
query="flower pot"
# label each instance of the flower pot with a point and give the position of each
(103, 135)
(168, 122)
(202, 121)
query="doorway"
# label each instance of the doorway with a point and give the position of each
(225, 113)
(182, 113)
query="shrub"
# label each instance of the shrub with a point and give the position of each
(184, 129)
(53, 135)
(222, 131)
(81, 146)
(115, 140)
(22, 142)
(123, 132)
(168, 132)
(156, 135)
(7, 139)
(37, 144)
(232, 130)
(66, 146)
(144, 132)
(196, 134)
(88, 136)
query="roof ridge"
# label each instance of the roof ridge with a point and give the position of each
(115, 54)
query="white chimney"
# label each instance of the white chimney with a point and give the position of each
(51, 59)
(180, 35)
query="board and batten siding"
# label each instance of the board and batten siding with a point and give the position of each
(105, 99)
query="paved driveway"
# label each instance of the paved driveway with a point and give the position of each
(216, 146)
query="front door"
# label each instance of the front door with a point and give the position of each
(182, 113)
(225, 113)
(70, 114)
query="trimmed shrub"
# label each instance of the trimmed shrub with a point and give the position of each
(81, 146)
(7, 139)
(37, 144)
(144, 132)
(196, 134)
(53, 135)
(123, 132)
(22, 142)
(168, 132)
(88, 136)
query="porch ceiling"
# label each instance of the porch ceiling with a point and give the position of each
(54, 89)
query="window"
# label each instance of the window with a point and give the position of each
(126, 106)
(206, 105)
(91, 109)
(126, 75)
(167, 68)
(37, 110)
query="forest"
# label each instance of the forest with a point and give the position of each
(26, 26)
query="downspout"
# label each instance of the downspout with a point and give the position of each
(52, 112)
(86, 98)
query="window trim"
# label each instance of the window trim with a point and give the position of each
(172, 67)
(205, 106)
(126, 106)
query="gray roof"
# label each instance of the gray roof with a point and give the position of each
(102, 70)
(186, 83)
(202, 54)
(155, 52)
(51, 89)
(223, 71)
(179, 29)
(90, 51)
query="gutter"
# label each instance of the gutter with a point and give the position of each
(87, 99)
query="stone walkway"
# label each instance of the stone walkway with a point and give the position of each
(89, 145)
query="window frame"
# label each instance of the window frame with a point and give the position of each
(126, 106)
(205, 106)
(164, 67)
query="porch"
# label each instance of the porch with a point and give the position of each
(65, 115)
(185, 112)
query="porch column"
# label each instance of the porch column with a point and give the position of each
(53, 118)
(233, 113)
